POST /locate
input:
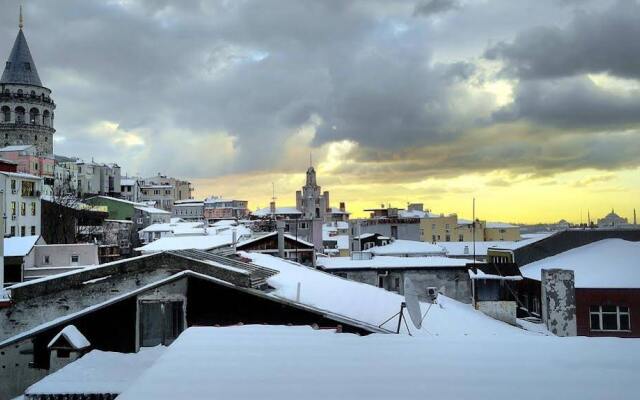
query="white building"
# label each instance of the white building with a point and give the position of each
(22, 203)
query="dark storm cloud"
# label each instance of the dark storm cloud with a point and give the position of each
(431, 7)
(602, 41)
(573, 103)
(182, 75)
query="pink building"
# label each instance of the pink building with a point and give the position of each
(29, 162)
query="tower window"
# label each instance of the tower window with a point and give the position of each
(27, 66)
(8, 66)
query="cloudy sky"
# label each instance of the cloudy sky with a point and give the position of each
(533, 107)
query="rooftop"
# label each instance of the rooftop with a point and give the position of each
(390, 262)
(609, 263)
(20, 67)
(408, 247)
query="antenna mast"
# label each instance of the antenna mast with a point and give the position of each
(20, 20)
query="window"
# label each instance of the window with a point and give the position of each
(447, 238)
(28, 189)
(74, 259)
(33, 230)
(13, 208)
(433, 226)
(23, 231)
(461, 238)
(33, 208)
(609, 318)
(46, 260)
(380, 281)
(396, 283)
(23, 208)
(13, 231)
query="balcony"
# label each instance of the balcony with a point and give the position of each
(12, 126)
(27, 98)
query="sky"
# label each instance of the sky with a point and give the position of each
(531, 107)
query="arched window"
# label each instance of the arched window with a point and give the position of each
(20, 115)
(33, 93)
(20, 92)
(6, 114)
(35, 137)
(34, 116)
(46, 118)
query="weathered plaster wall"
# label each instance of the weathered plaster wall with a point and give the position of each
(501, 310)
(559, 301)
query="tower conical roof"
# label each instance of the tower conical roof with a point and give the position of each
(20, 67)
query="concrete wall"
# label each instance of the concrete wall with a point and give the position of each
(406, 231)
(501, 310)
(60, 255)
(452, 282)
(559, 301)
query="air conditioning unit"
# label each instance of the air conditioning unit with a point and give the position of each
(13, 217)
(432, 294)
(14, 191)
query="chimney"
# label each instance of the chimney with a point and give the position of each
(280, 228)
(272, 207)
(342, 206)
(234, 239)
(559, 301)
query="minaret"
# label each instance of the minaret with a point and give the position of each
(26, 108)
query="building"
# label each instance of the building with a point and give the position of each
(600, 290)
(189, 210)
(22, 203)
(65, 173)
(388, 222)
(612, 220)
(315, 204)
(449, 276)
(26, 107)
(30, 257)
(156, 297)
(139, 213)
(176, 226)
(130, 189)
(294, 249)
(449, 228)
(29, 162)
(164, 191)
(407, 248)
(217, 208)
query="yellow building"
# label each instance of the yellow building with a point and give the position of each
(448, 228)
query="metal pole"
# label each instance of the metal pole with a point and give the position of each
(474, 230)
(403, 305)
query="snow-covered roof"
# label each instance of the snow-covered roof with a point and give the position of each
(21, 175)
(490, 224)
(203, 242)
(172, 226)
(416, 214)
(367, 303)
(521, 243)
(127, 182)
(73, 336)
(17, 147)
(609, 263)
(151, 210)
(265, 212)
(407, 247)
(390, 262)
(462, 249)
(478, 274)
(286, 363)
(19, 246)
(98, 372)
(338, 211)
(133, 203)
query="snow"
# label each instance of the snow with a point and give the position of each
(288, 236)
(490, 224)
(204, 242)
(19, 246)
(265, 212)
(275, 362)
(369, 304)
(521, 243)
(386, 262)
(609, 263)
(407, 247)
(481, 275)
(151, 210)
(169, 227)
(73, 336)
(98, 372)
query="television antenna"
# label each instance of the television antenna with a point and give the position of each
(412, 304)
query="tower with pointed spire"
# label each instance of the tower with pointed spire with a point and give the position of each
(26, 107)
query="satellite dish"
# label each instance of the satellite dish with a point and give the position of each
(413, 304)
